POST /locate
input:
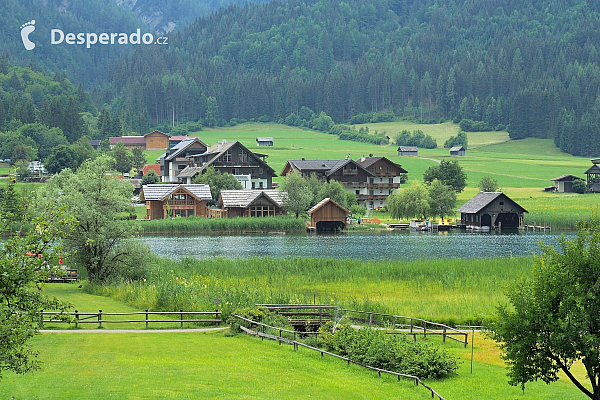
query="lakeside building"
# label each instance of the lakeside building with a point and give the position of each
(163, 200)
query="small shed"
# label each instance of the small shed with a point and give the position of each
(593, 176)
(458, 151)
(491, 209)
(564, 183)
(328, 215)
(264, 141)
(408, 151)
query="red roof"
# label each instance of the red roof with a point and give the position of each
(155, 167)
(128, 140)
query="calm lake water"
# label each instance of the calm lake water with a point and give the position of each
(385, 245)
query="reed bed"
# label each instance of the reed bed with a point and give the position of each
(215, 225)
(454, 291)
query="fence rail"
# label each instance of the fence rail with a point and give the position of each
(99, 317)
(297, 344)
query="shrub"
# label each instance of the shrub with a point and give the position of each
(416, 138)
(468, 125)
(579, 186)
(459, 140)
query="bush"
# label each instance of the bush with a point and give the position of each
(459, 140)
(416, 138)
(391, 352)
(468, 125)
(579, 186)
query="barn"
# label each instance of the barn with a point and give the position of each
(491, 209)
(458, 151)
(328, 215)
(408, 151)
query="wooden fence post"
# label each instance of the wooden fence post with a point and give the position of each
(370, 320)
(76, 319)
(146, 319)
(100, 318)
(41, 318)
(444, 336)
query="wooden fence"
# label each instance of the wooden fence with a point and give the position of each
(297, 344)
(100, 317)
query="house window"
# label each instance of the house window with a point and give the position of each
(190, 212)
(260, 171)
(179, 197)
(260, 185)
(227, 156)
(371, 180)
(253, 185)
(501, 203)
(391, 180)
(357, 192)
(233, 171)
(243, 156)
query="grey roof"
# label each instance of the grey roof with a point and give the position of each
(95, 142)
(190, 172)
(214, 150)
(159, 192)
(457, 148)
(594, 169)
(244, 198)
(327, 166)
(366, 162)
(567, 178)
(408, 148)
(481, 200)
(264, 139)
(180, 147)
(323, 202)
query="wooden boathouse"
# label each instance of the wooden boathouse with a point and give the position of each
(328, 215)
(492, 210)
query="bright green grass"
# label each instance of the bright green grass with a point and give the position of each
(241, 224)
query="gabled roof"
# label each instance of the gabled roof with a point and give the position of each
(481, 200)
(181, 147)
(457, 148)
(128, 140)
(594, 169)
(408, 148)
(567, 178)
(245, 198)
(216, 152)
(323, 202)
(190, 172)
(327, 166)
(366, 162)
(156, 131)
(95, 142)
(264, 139)
(160, 192)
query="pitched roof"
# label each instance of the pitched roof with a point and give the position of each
(481, 200)
(95, 142)
(457, 148)
(566, 178)
(327, 166)
(156, 131)
(181, 147)
(128, 140)
(155, 167)
(366, 162)
(160, 192)
(594, 169)
(323, 202)
(264, 139)
(245, 198)
(216, 152)
(408, 148)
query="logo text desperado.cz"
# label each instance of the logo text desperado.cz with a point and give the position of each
(57, 36)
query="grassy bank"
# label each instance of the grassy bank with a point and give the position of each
(218, 225)
(451, 291)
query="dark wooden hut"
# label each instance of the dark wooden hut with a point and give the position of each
(491, 209)
(458, 151)
(328, 215)
(593, 176)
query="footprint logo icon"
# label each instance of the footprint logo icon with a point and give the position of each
(26, 29)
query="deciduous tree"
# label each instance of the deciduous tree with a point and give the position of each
(410, 202)
(448, 172)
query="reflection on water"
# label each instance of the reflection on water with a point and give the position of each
(384, 245)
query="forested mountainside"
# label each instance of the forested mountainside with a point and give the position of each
(87, 66)
(39, 111)
(530, 65)
(167, 15)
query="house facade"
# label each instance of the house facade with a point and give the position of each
(250, 203)
(264, 141)
(328, 215)
(491, 209)
(156, 140)
(371, 179)
(175, 160)
(249, 168)
(163, 200)
(564, 183)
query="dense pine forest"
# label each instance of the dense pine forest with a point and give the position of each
(529, 66)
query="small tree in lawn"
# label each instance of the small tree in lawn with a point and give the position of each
(442, 199)
(24, 264)
(448, 172)
(553, 319)
(410, 202)
(298, 194)
(488, 184)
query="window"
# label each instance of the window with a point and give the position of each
(260, 185)
(253, 185)
(243, 156)
(233, 171)
(260, 171)
(391, 180)
(501, 203)
(357, 192)
(371, 180)
(227, 156)
(179, 197)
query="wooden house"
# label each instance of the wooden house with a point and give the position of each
(175, 160)
(156, 140)
(458, 151)
(328, 215)
(491, 209)
(250, 203)
(248, 167)
(593, 176)
(564, 183)
(264, 141)
(408, 151)
(175, 200)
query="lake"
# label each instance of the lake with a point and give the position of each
(400, 245)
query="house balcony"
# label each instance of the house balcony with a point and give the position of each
(181, 202)
(350, 172)
(384, 186)
(354, 184)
